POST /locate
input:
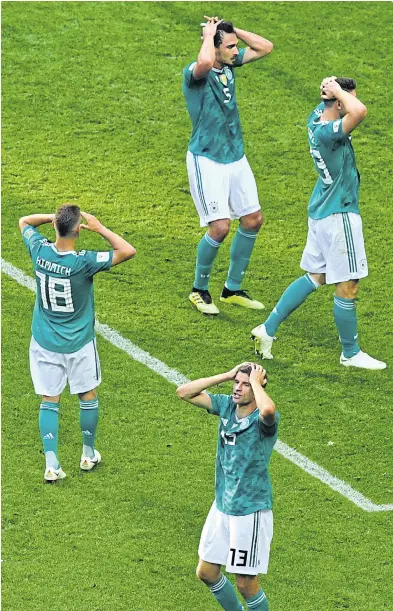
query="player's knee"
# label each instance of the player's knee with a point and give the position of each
(347, 290)
(218, 230)
(206, 573)
(247, 585)
(252, 222)
(88, 396)
(318, 279)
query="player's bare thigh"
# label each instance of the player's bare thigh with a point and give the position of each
(320, 279)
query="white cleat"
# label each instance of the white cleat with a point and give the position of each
(87, 464)
(363, 361)
(52, 475)
(262, 341)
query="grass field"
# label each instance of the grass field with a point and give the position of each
(93, 113)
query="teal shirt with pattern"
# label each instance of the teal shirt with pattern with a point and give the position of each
(211, 104)
(337, 187)
(63, 317)
(244, 449)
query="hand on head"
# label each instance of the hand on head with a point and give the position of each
(92, 223)
(258, 374)
(210, 27)
(329, 87)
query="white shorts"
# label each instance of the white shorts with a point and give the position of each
(221, 190)
(241, 543)
(51, 370)
(335, 247)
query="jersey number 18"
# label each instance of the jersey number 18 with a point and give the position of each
(60, 300)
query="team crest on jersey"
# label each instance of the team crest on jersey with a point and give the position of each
(228, 73)
(223, 79)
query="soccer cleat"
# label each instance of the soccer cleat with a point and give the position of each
(262, 341)
(87, 464)
(52, 475)
(240, 298)
(203, 302)
(363, 361)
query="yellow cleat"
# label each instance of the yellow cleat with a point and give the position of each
(203, 302)
(240, 298)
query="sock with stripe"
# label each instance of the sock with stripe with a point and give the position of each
(225, 595)
(88, 421)
(258, 602)
(293, 296)
(347, 325)
(206, 253)
(48, 422)
(241, 248)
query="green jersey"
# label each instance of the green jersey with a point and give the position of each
(337, 188)
(211, 103)
(243, 453)
(63, 318)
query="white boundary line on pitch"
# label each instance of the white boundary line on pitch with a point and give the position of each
(175, 377)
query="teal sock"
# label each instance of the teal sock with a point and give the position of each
(225, 595)
(258, 602)
(347, 325)
(88, 421)
(48, 422)
(293, 296)
(206, 253)
(241, 249)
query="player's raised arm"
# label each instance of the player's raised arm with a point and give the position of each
(257, 46)
(35, 220)
(267, 408)
(123, 250)
(207, 53)
(194, 392)
(355, 111)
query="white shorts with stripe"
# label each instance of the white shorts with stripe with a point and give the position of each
(50, 371)
(241, 543)
(221, 190)
(335, 247)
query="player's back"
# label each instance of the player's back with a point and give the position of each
(63, 319)
(337, 186)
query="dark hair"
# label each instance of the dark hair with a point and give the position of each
(247, 370)
(224, 26)
(66, 217)
(348, 84)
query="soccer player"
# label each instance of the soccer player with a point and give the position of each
(221, 181)
(334, 252)
(239, 527)
(63, 344)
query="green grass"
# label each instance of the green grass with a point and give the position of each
(93, 113)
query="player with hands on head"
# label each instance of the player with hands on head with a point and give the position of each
(334, 251)
(239, 528)
(63, 344)
(222, 184)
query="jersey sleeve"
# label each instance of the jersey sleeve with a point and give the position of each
(269, 431)
(331, 133)
(219, 404)
(239, 58)
(94, 262)
(188, 77)
(32, 238)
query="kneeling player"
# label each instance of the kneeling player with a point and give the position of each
(239, 527)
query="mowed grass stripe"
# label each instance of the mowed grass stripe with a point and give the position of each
(175, 377)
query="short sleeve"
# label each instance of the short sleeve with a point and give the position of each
(32, 238)
(188, 77)
(94, 262)
(239, 58)
(330, 133)
(269, 431)
(219, 404)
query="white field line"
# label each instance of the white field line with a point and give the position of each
(177, 378)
